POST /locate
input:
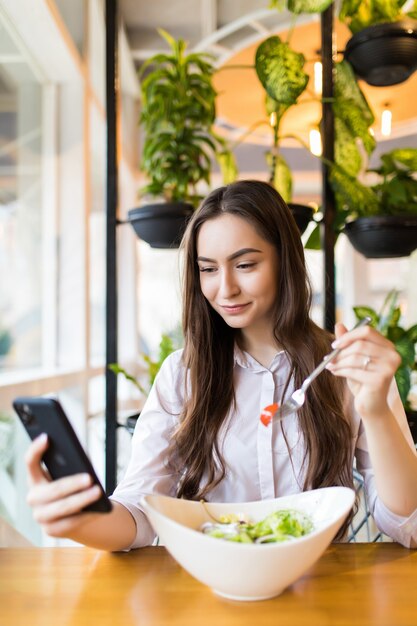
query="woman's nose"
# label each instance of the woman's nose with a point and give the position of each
(228, 286)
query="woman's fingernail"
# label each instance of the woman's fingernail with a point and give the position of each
(336, 343)
(43, 438)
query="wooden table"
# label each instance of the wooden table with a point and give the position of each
(351, 585)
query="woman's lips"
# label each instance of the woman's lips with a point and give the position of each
(234, 309)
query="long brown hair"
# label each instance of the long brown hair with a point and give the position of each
(209, 351)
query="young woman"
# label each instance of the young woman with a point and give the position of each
(249, 342)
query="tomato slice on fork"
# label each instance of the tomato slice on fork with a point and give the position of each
(268, 412)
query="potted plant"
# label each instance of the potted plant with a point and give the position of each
(380, 220)
(383, 48)
(167, 345)
(178, 111)
(387, 321)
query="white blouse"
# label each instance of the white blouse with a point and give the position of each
(257, 461)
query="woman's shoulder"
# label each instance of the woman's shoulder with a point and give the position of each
(173, 365)
(174, 359)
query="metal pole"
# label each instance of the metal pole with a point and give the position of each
(327, 133)
(111, 250)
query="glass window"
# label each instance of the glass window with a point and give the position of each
(20, 208)
(97, 233)
(73, 15)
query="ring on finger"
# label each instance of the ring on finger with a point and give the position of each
(367, 359)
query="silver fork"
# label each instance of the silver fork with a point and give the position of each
(297, 399)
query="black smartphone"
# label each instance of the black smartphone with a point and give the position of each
(65, 455)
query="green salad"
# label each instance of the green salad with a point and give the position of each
(283, 525)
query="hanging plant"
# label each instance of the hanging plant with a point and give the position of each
(387, 321)
(381, 219)
(395, 193)
(383, 49)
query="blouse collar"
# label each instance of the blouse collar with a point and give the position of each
(245, 360)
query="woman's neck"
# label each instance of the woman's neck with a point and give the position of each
(260, 345)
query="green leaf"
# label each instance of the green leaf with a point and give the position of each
(353, 198)
(347, 88)
(346, 149)
(394, 333)
(117, 369)
(228, 166)
(352, 109)
(405, 156)
(412, 333)
(394, 317)
(359, 15)
(314, 240)
(397, 189)
(308, 6)
(404, 340)
(386, 10)
(272, 106)
(281, 177)
(405, 348)
(354, 123)
(166, 347)
(348, 8)
(280, 70)
(277, 4)
(389, 312)
(402, 378)
(364, 311)
(173, 44)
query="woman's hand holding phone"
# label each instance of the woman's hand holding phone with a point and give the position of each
(64, 491)
(58, 504)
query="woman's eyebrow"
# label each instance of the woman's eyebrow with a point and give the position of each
(233, 256)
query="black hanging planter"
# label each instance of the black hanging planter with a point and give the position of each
(302, 214)
(384, 54)
(383, 236)
(130, 423)
(161, 225)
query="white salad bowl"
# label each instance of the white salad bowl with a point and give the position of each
(242, 571)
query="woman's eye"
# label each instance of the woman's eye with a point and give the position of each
(245, 266)
(207, 269)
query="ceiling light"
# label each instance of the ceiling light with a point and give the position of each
(318, 78)
(273, 119)
(386, 121)
(315, 142)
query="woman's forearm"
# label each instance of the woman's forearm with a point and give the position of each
(107, 531)
(394, 463)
